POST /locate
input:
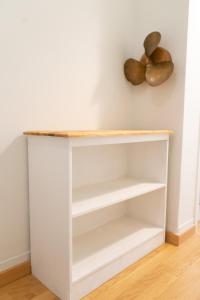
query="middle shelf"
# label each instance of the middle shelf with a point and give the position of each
(92, 197)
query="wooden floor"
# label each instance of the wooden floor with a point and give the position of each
(168, 273)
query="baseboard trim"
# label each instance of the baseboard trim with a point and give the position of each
(178, 239)
(15, 273)
(185, 226)
(14, 261)
(24, 268)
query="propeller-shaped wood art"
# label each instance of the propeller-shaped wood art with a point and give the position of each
(155, 66)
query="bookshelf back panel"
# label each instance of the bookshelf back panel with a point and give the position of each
(147, 161)
(148, 208)
(97, 219)
(95, 164)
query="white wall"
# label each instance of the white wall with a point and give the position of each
(191, 122)
(61, 66)
(162, 107)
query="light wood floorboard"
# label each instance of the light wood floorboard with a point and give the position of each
(168, 273)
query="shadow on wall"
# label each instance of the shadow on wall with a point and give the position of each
(14, 216)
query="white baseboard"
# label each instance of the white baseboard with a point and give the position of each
(13, 261)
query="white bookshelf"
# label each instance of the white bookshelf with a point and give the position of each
(97, 204)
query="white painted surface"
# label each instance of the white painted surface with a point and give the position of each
(98, 218)
(97, 248)
(61, 68)
(107, 162)
(90, 198)
(149, 208)
(162, 106)
(67, 250)
(81, 142)
(197, 196)
(96, 164)
(50, 210)
(187, 225)
(84, 286)
(68, 74)
(148, 161)
(191, 134)
(8, 263)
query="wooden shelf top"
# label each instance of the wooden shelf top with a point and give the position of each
(97, 133)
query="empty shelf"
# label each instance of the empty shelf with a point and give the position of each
(95, 249)
(93, 197)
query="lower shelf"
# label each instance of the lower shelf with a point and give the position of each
(95, 249)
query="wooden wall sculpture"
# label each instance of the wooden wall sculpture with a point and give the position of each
(154, 67)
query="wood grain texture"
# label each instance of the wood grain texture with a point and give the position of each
(186, 235)
(167, 273)
(26, 288)
(176, 239)
(97, 133)
(156, 275)
(15, 273)
(172, 238)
